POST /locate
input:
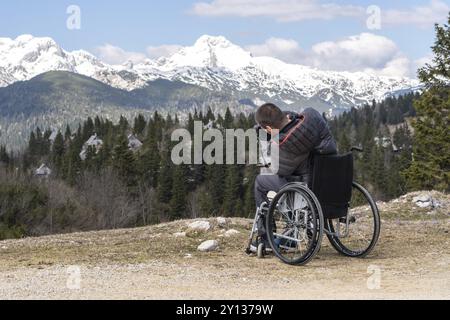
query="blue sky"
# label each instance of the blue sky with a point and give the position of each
(134, 25)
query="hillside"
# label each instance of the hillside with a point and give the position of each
(162, 262)
(58, 98)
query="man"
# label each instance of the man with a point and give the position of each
(300, 135)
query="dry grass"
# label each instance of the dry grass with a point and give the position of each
(151, 262)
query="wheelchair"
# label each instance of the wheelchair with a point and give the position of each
(294, 221)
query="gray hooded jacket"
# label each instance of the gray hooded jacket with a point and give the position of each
(307, 134)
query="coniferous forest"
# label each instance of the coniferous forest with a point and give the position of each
(103, 175)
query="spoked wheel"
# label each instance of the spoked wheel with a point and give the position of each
(363, 229)
(295, 225)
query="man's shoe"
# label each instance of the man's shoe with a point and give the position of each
(352, 219)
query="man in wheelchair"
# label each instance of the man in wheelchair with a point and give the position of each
(300, 136)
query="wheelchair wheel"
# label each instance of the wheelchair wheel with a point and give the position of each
(364, 226)
(295, 225)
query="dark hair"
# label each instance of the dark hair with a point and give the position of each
(269, 115)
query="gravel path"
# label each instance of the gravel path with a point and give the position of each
(412, 260)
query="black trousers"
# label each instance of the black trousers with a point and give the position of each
(267, 183)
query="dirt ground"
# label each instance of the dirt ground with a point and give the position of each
(412, 260)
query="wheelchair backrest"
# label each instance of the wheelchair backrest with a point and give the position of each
(331, 182)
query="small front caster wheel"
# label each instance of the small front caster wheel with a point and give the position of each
(261, 251)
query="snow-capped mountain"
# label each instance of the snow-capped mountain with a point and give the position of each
(26, 57)
(213, 63)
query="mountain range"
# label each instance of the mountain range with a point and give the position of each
(43, 84)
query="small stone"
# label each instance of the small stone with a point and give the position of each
(179, 234)
(221, 221)
(422, 198)
(200, 226)
(425, 201)
(208, 246)
(231, 233)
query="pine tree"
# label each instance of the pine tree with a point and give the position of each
(32, 144)
(229, 120)
(71, 165)
(206, 203)
(123, 124)
(139, 125)
(215, 179)
(210, 116)
(430, 168)
(165, 179)
(57, 153)
(231, 191)
(179, 193)
(344, 143)
(88, 129)
(67, 134)
(124, 162)
(4, 156)
(190, 124)
(150, 160)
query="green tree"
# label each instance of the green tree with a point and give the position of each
(179, 192)
(231, 191)
(139, 125)
(124, 161)
(164, 190)
(57, 153)
(150, 160)
(430, 167)
(4, 156)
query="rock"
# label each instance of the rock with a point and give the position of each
(200, 226)
(422, 198)
(231, 233)
(179, 234)
(221, 221)
(208, 246)
(426, 201)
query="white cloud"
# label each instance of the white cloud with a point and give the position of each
(423, 16)
(365, 52)
(115, 55)
(282, 10)
(162, 51)
(421, 62)
(284, 49)
(398, 66)
(354, 53)
(298, 10)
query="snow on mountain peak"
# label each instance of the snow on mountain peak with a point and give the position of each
(24, 38)
(213, 41)
(212, 62)
(209, 52)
